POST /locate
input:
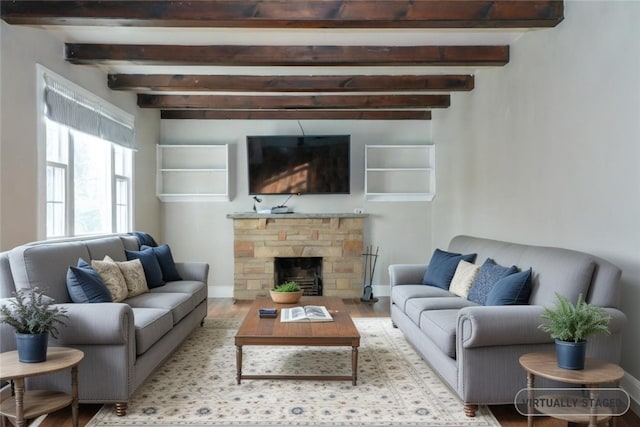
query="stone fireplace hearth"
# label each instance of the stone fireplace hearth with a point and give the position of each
(261, 238)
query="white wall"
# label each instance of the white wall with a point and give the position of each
(22, 49)
(546, 150)
(201, 231)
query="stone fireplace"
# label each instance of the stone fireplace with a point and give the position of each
(262, 239)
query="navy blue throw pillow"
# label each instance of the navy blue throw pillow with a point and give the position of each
(150, 265)
(167, 264)
(511, 290)
(488, 275)
(442, 267)
(85, 285)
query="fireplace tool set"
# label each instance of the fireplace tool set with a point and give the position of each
(369, 259)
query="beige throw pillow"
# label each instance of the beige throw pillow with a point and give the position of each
(134, 277)
(463, 278)
(112, 278)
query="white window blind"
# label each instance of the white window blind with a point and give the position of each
(87, 113)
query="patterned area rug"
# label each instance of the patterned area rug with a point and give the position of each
(197, 387)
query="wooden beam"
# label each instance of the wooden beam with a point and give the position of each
(289, 13)
(294, 115)
(235, 55)
(245, 83)
(249, 102)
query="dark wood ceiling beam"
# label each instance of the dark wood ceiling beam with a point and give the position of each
(244, 83)
(285, 102)
(294, 115)
(234, 55)
(290, 14)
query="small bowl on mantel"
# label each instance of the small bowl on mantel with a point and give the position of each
(285, 297)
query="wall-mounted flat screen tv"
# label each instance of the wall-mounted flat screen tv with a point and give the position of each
(298, 164)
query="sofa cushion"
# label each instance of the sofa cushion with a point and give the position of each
(178, 303)
(440, 327)
(463, 278)
(198, 290)
(32, 266)
(112, 278)
(133, 274)
(111, 246)
(151, 324)
(442, 267)
(487, 276)
(85, 285)
(400, 294)
(150, 264)
(511, 290)
(165, 259)
(415, 306)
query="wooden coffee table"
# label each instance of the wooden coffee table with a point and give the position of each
(271, 331)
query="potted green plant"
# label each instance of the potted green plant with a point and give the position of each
(33, 316)
(286, 293)
(570, 325)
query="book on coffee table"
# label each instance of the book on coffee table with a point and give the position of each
(308, 313)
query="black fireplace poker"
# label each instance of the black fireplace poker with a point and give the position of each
(370, 258)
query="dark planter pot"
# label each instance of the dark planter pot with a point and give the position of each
(32, 348)
(571, 354)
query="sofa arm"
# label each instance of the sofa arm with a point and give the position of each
(406, 274)
(97, 324)
(485, 326)
(198, 271)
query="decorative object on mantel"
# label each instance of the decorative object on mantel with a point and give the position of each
(570, 325)
(370, 260)
(31, 314)
(286, 293)
(256, 199)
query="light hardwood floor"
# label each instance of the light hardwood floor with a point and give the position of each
(227, 308)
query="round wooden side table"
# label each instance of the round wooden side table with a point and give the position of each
(595, 373)
(31, 404)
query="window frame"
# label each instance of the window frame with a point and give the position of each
(43, 163)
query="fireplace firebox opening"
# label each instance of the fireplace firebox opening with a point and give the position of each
(306, 271)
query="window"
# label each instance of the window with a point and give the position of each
(89, 158)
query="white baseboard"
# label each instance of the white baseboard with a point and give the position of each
(381, 290)
(221, 291)
(631, 385)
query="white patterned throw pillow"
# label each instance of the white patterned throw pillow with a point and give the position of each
(134, 277)
(463, 278)
(112, 278)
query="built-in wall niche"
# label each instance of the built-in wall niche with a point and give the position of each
(400, 173)
(192, 173)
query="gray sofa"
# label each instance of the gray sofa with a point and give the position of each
(475, 348)
(123, 342)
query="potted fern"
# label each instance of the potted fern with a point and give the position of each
(286, 293)
(571, 325)
(33, 316)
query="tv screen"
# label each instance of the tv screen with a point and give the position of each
(298, 164)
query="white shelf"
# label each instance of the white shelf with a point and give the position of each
(399, 173)
(191, 173)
